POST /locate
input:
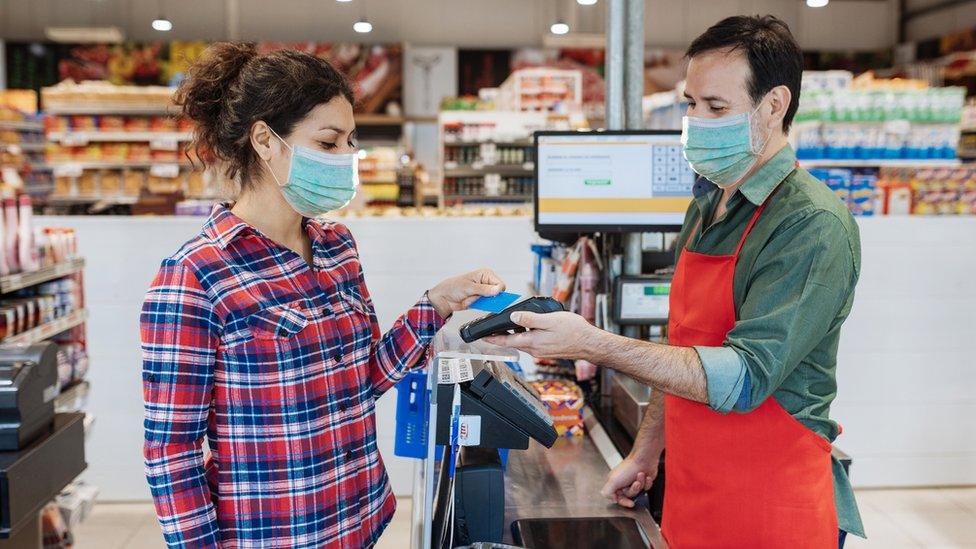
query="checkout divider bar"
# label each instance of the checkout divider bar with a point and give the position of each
(601, 439)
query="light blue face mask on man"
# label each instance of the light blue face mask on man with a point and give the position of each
(721, 150)
(318, 182)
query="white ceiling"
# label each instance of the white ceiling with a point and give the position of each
(847, 24)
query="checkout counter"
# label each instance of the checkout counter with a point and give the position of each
(545, 494)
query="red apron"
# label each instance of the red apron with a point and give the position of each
(759, 479)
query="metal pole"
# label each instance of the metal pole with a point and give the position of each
(614, 70)
(634, 80)
(614, 117)
(634, 72)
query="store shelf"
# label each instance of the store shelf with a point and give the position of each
(21, 125)
(14, 282)
(501, 169)
(72, 200)
(70, 396)
(133, 110)
(48, 330)
(378, 120)
(24, 147)
(115, 164)
(80, 138)
(484, 198)
(901, 163)
(496, 143)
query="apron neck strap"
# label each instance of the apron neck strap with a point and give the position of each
(752, 221)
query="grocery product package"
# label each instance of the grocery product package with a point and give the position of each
(564, 401)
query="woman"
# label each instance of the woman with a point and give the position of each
(260, 334)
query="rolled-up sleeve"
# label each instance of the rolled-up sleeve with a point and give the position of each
(796, 295)
(725, 376)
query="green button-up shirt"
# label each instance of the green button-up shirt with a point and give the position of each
(793, 289)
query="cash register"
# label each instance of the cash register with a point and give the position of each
(28, 386)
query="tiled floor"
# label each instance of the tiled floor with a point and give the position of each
(937, 518)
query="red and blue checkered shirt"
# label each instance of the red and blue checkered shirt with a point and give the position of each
(279, 364)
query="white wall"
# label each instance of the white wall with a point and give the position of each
(865, 24)
(905, 366)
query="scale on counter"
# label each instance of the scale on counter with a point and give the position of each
(642, 299)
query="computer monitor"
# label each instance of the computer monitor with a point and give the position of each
(610, 181)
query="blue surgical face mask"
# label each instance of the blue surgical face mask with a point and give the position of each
(318, 182)
(722, 150)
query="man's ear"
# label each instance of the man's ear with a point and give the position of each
(779, 102)
(263, 140)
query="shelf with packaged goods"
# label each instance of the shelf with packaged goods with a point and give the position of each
(485, 198)
(113, 164)
(13, 282)
(23, 147)
(501, 169)
(109, 110)
(895, 163)
(56, 200)
(22, 125)
(378, 120)
(499, 143)
(47, 330)
(77, 138)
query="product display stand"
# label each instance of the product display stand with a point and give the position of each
(30, 478)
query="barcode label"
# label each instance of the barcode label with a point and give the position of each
(454, 370)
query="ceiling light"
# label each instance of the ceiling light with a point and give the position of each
(162, 24)
(586, 2)
(559, 28)
(362, 26)
(817, 3)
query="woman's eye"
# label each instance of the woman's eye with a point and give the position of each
(717, 108)
(327, 146)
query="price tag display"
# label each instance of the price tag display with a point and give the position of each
(164, 144)
(68, 169)
(74, 140)
(165, 170)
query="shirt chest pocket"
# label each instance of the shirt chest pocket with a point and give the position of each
(279, 321)
(268, 329)
(350, 326)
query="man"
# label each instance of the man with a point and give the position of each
(767, 261)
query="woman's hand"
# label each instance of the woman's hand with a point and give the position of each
(457, 293)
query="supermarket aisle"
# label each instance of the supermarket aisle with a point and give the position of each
(937, 518)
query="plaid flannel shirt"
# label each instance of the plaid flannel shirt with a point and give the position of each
(279, 365)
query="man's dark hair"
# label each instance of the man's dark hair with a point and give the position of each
(775, 59)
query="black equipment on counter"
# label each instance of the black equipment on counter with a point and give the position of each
(28, 386)
(509, 408)
(501, 323)
(34, 475)
(479, 497)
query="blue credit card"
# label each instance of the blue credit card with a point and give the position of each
(495, 304)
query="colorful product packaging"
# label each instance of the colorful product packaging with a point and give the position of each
(564, 401)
